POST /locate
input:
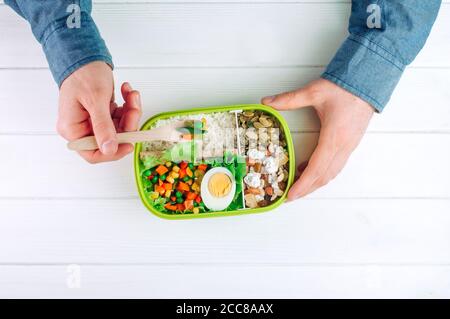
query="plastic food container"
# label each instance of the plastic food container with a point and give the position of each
(236, 160)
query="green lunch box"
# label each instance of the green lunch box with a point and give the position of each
(140, 169)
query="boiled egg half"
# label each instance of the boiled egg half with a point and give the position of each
(218, 188)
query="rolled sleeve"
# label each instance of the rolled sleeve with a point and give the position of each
(366, 70)
(371, 61)
(67, 45)
(67, 49)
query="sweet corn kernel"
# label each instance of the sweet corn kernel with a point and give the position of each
(195, 187)
(168, 193)
(175, 175)
(176, 169)
(154, 195)
(196, 210)
(170, 179)
(168, 164)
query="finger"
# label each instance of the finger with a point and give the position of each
(118, 113)
(113, 108)
(290, 100)
(125, 89)
(301, 167)
(73, 131)
(95, 157)
(132, 111)
(318, 164)
(72, 112)
(338, 163)
(103, 127)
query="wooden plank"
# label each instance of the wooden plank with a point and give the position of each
(215, 34)
(426, 110)
(385, 165)
(307, 232)
(225, 282)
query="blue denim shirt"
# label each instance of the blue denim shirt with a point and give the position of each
(372, 59)
(385, 36)
(66, 44)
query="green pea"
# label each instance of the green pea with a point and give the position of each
(163, 177)
(191, 166)
(186, 178)
(180, 200)
(155, 179)
(195, 204)
(179, 194)
(147, 173)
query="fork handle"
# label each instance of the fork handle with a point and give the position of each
(89, 143)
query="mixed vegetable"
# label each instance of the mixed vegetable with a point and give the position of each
(175, 188)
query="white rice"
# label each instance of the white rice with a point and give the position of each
(220, 135)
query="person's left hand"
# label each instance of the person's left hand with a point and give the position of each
(344, 118)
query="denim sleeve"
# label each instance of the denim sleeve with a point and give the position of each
(385, 36)
(66, 31)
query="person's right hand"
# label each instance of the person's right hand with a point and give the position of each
(87, 107)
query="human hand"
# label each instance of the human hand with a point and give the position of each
(344, 118)
(87, 107)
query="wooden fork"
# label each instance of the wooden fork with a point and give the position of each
(172, 133)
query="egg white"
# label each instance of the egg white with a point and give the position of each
(212, 202)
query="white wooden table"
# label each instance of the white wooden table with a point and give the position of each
(68, 229)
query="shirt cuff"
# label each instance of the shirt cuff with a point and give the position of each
(68, 49)
(366, 70)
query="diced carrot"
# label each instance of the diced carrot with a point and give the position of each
(160, 182)
(170, 207)
(198, 199)
(189, 204)
(191, 195)
(173, 198)
(183, 165)
(189, 172)
(167, 186)
(161, 169)
(182, 173)
(160, 190)
(202, 167)
(180, 207)
(187, 137)
(183, 187)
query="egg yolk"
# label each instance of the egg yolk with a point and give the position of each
(219, 185)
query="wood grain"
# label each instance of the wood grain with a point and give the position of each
(29, 97)
(380, 230)
(307, 232)
(215, 34)
(179, 281)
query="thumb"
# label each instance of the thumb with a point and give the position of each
(289, 100)
(103, 127)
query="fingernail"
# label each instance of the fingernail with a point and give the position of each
(109, 147)
(138, 99)
(269, 99)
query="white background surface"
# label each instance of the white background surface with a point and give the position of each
(381, 229)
